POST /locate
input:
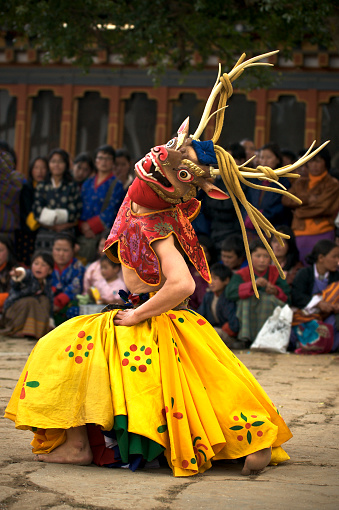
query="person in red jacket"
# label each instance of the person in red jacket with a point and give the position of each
(273, 291)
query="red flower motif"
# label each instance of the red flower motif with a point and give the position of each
(247, 426)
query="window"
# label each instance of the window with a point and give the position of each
(45, 123)
(139, 124)
(329, 128)
(7, 117)
(239, 120)
(186, 106)
(92, 122)
(288, 123)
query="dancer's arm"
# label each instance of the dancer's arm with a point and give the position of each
(178, 285)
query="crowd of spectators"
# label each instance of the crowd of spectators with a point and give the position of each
(54, 223)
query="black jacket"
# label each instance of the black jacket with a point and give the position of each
(302, 285)
(225, 310)
(221, 215)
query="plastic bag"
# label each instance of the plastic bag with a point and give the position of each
(275, 334)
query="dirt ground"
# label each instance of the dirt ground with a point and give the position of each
(305, 388)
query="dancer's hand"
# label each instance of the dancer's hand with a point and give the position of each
(125, 318)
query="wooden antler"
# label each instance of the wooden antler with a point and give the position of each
(287, 171)
(232, 75)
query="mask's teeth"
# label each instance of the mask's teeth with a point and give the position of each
(150, 176)
(157, 168)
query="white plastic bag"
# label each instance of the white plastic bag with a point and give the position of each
(275, 333)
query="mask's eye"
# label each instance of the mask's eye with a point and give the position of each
(171, 143)
(184, 176)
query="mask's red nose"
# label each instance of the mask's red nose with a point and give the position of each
(160, 152)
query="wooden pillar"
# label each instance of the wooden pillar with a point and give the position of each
(260, 97)
(161, 96)
(67, 119)
(311, 117)
(22, 129)
(113, 117)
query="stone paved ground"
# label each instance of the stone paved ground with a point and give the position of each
(304, 387)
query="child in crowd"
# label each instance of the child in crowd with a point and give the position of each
(29, 306)
(200, 284)
(83, 168)
(108, 287)
(93, 270)
(216, 308)
(287, 255)
(67, 278)
(7, 263)
(315, 294)
(273, 291)
(233, 252)
(124, 168)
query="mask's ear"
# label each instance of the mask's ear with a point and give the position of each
(212, 191)
(183, 132)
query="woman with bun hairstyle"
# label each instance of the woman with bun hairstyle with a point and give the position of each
(315, 289)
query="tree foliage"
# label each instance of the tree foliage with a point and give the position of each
(168, 34)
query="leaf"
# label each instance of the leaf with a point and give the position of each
(257, 423)
(162, 429)
(33, 384)
(243, 417)
(202, 451)
(236, 427)
(249, 437)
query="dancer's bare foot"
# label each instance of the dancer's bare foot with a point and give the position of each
(75, 450)
(256, 462)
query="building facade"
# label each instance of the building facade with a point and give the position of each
(56, 105)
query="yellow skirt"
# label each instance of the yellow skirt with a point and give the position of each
(171, 378)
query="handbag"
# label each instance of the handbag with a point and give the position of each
(275, 333)
(314, 337)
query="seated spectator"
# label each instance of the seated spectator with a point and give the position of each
(221, 216)
(336, 240)
(201, 224)
(107, 288)
(11, 183)
(124, 171)
(287, 255)
(67, 278)
(314, 302)
(200, 283)
(238, 152)
(102, 196)
(57, 201)
(233, 252)
(93, 270)
(216, 308)
(273, 292)
(288, 157)
(268, 203)
(83, 168)
(313, 220)
(7, 263)
(250, 151)
(301, 170)
(28, 310)
(26, 236)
